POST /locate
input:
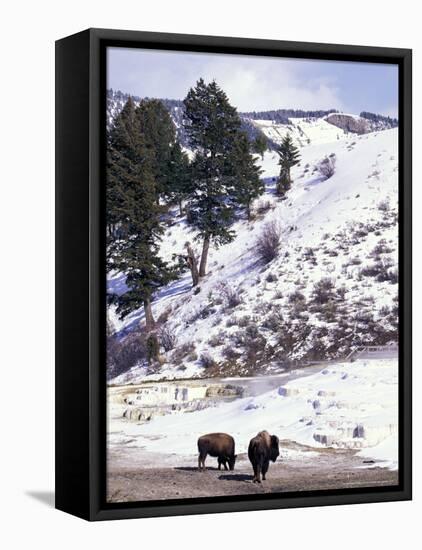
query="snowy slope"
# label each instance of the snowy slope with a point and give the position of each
(343, 229)
(305, 131)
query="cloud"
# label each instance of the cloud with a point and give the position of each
(272, 84)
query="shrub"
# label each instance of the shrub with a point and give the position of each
(341, 292)
(328, 311)
(308, 253)
(230, 353)
(384, 311)
(271, 278)
(268, 242)
(327, 166)
(274, 321)
(381, 248)
(206, 311)
(217, 339)
(167, 337)
(192, 356)
(296, 296)
(355, 261)
(244, 321)
(384, 205)
(183, 351)
(231, 321)
(252, 331)
(393, 276)
(254, 344)
(381, 271)
(207, 361)
(229, 295)
(322, 291)
(293, 336)
(126, 353)
(263, 206)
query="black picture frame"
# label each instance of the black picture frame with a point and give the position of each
(80, 273)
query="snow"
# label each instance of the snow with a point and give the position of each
(353, 405)
(304, 131)
(385, 454)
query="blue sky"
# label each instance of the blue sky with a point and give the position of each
(257, 83)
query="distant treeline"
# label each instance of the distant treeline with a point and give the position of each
(392, 122)
(281, 116)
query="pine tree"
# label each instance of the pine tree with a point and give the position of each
(211, 124)
(289, 157)
(179, 177)
(159, 133)
(247, 183)
(260, 144)
(119, 149)
(132, 207)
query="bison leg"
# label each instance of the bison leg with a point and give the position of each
(258, 472)
(265, 469)
(222, 462)
(201, 462)
(255, 473)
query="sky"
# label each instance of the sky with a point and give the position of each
(257, 83)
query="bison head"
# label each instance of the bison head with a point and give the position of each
(232, 461)
(274, 449)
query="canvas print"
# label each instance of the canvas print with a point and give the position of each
(252, 275)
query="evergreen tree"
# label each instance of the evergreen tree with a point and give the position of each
(289, 157)
(132, 207)
(212, 125)
(260, 144)
(247, 183)
(179, 176)
(159, 134)
(119, 149)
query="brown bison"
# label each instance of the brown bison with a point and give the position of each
(219, 445)
(262, 448)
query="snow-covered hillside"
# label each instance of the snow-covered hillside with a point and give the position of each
(304, 131)
(332, 286)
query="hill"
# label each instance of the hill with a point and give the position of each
(332, 285)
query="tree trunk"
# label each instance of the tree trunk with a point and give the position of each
(149, 319)
(204, 256)
(192, 264)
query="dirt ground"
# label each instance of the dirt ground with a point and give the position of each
(129, 481)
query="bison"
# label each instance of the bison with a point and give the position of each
(262, 448)
(219, 445)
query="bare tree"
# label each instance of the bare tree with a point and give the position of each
(192, 263)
